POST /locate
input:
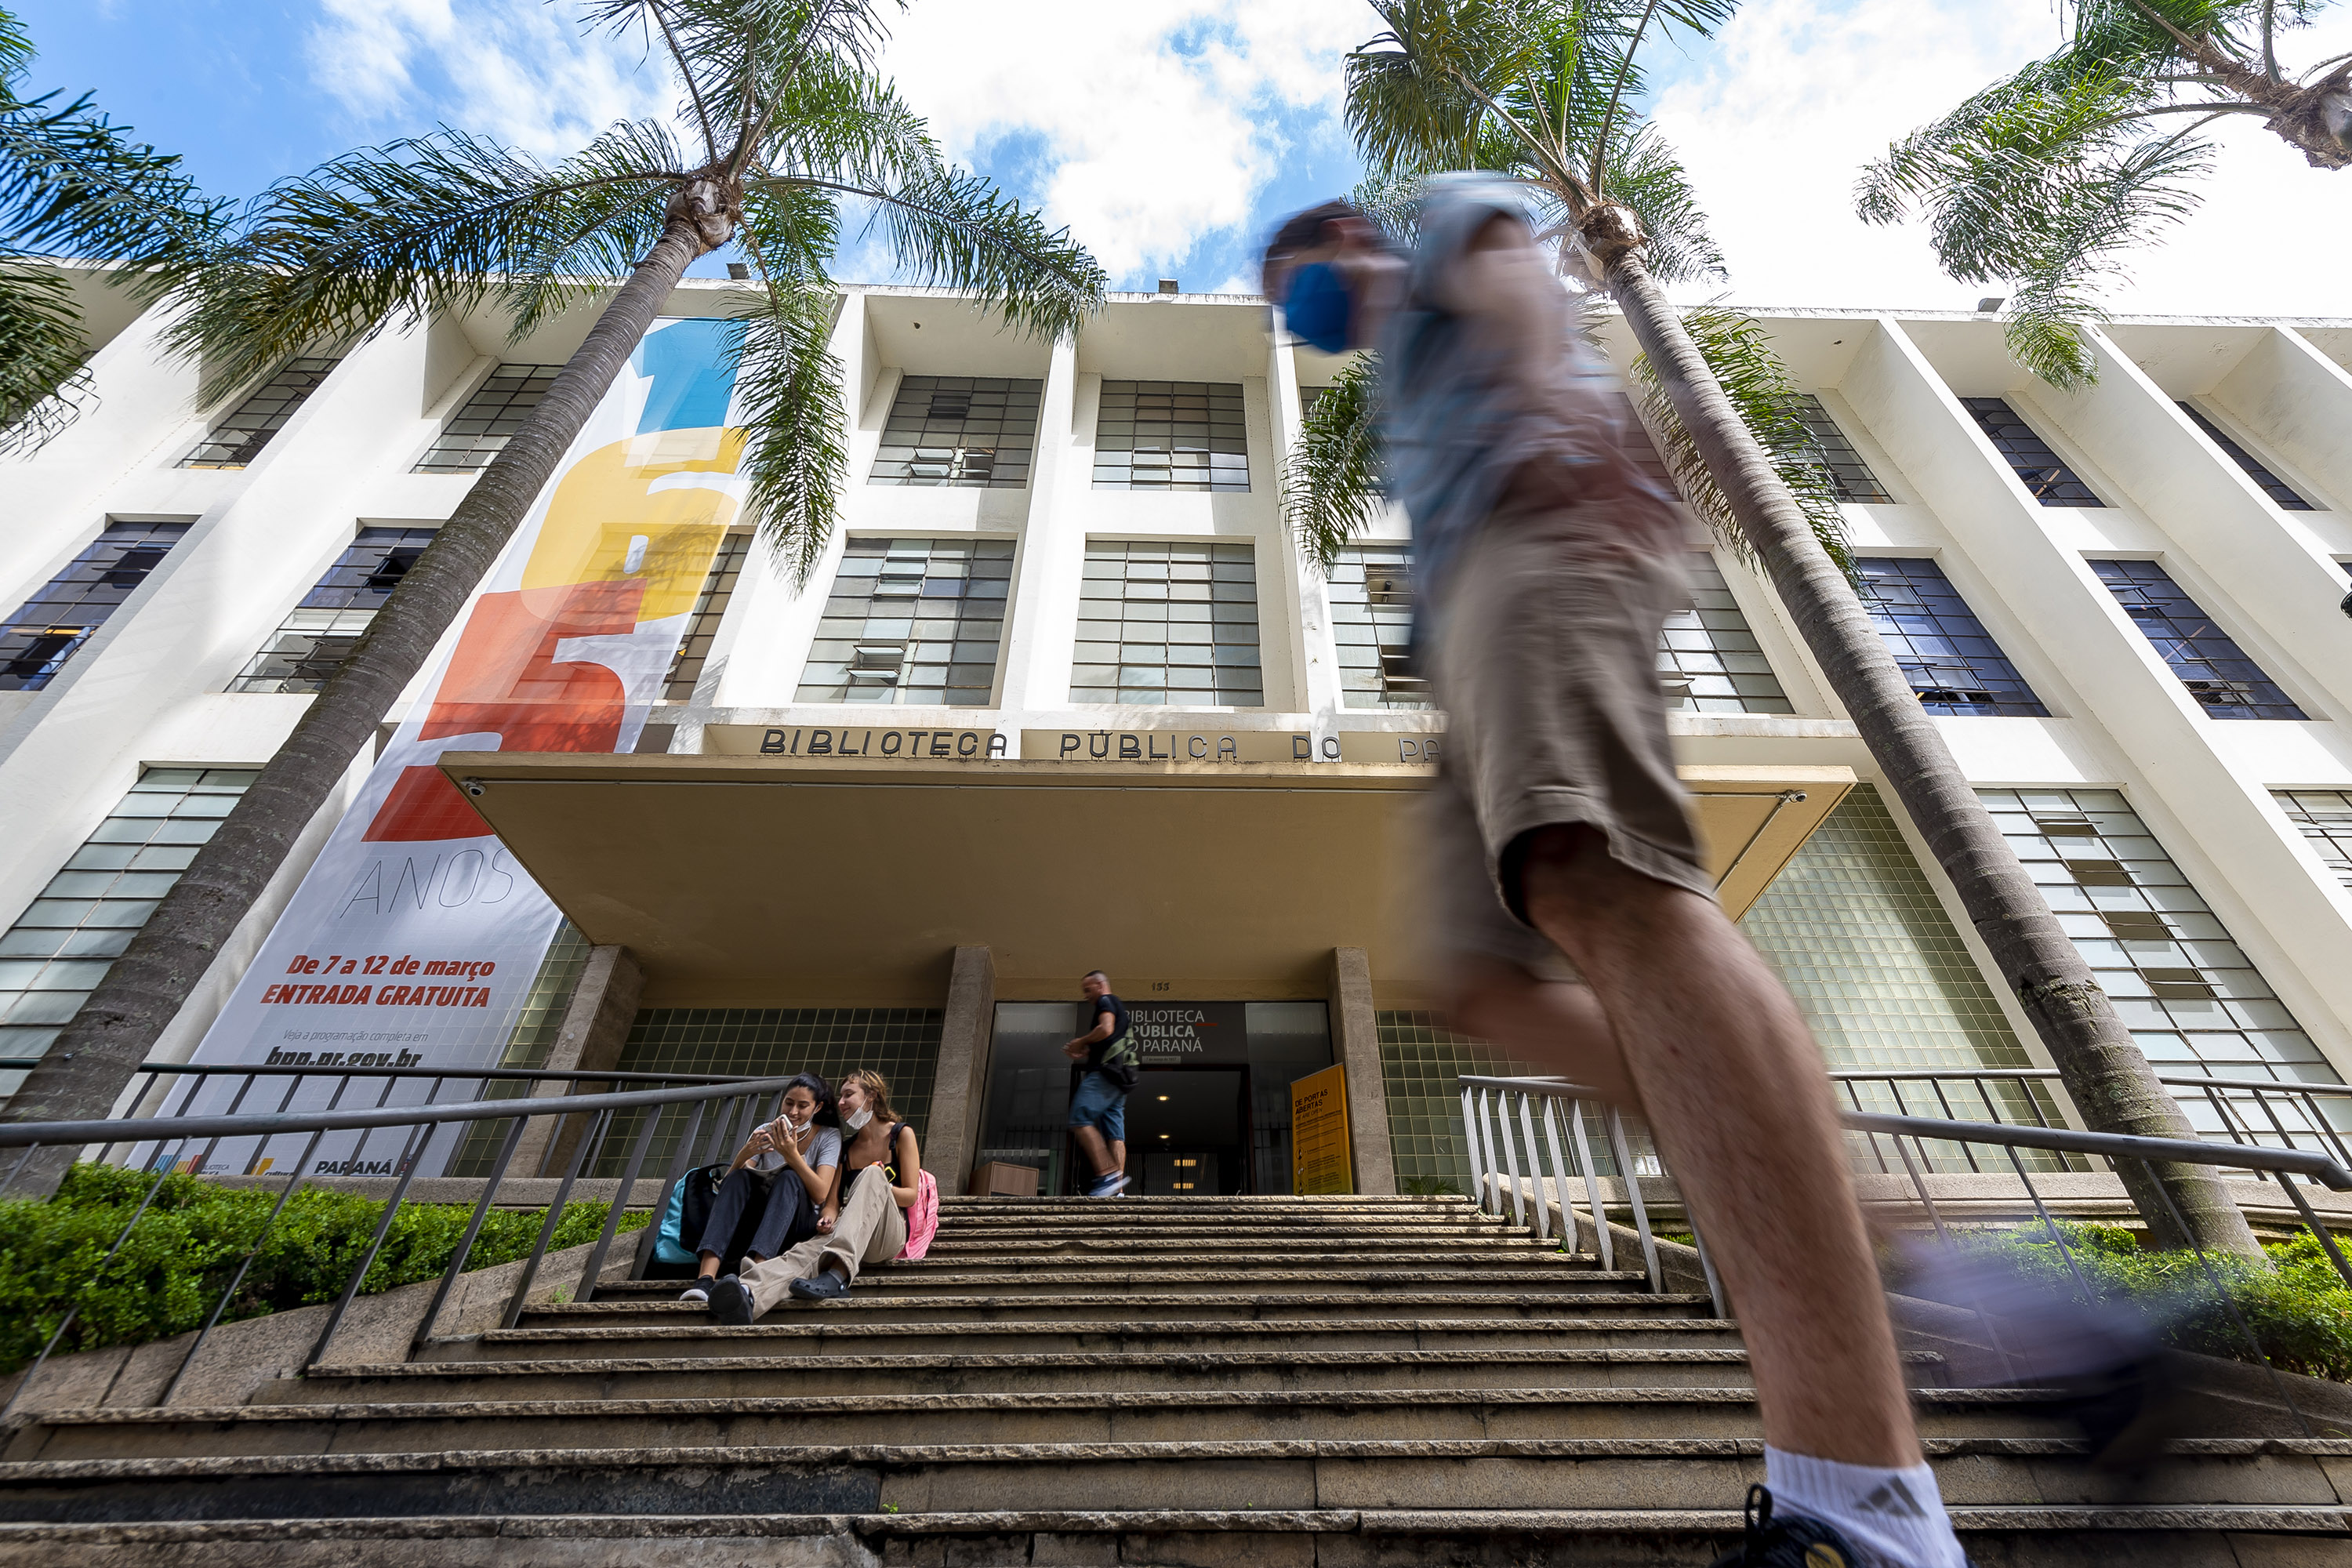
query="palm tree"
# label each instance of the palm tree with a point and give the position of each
(2041, 180)
(73, 185)
(1546, 91)
(789, 121)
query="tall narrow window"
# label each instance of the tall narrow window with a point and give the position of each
(1708, 659)
(1171, 435)
(2208, 662)
(49, 627)
(1849, 477)
(1370, 590)
(710, 609)
(482, 430)
(1173, 624)
(2326, 818)
(2284, 499)
(305, 652)
(2192, 999)
(912, 620)
(64, 942)
(2051, 480)
(1950, 660)
(238, 440)
(974, 431)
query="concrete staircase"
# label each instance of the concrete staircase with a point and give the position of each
(1269, 1381)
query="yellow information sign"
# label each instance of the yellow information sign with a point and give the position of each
(1318, 1133)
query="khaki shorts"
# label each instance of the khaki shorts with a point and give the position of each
(1545, 662)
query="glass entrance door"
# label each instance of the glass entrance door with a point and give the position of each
(1188, 1132)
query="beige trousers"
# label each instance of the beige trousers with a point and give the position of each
(872, 1229)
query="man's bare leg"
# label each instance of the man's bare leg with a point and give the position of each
(1556, 1023)
(1097, 1152)
(1735, 1093)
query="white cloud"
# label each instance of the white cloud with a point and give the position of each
(1154, 126)
(518, 70)
(1778, 116)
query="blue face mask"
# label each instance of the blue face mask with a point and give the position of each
(1318, 308)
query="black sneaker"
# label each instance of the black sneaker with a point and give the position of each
(1791, 1541)
(731, 1303)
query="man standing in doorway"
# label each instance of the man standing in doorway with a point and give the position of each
(1099, 1110)
(1559, 827)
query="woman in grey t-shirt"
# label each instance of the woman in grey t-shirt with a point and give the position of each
(804, 1161)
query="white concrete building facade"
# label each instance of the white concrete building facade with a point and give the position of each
(2121, 602)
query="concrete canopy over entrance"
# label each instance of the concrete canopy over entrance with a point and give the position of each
(747, 881)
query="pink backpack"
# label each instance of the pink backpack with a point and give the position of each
(923, 1218)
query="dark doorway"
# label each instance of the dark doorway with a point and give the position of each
(1188, 1132)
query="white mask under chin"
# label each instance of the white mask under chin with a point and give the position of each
(856, 1119)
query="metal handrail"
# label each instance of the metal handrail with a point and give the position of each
(240, 1069)
(738, 1101)
(2282, 1164)
(275, 1123)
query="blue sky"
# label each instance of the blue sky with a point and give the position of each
(1171, 137)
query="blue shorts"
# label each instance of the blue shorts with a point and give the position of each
(1102, 1105)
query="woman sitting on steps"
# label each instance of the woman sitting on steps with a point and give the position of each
(881, 1171)
(805, 1160)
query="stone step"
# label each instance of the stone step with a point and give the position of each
(1243, 1203)
(816, 1335)
(1107, 1372)
(1224, 1206)
(1278, 1223)
(1115, 1249)
(1000, 1260)
(1047, 1283)
(937, 1479)
(2145, 1535)
(998, 1307)
(1152, 1415)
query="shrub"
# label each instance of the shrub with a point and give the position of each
(194, 1234)
(2300, 1310)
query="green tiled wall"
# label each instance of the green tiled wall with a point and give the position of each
(902, 1044)
(1419, 1064)
(1855, 931)
(1864, 944)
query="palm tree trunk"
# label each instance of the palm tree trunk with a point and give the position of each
(2110, 1081)
(100, 1050)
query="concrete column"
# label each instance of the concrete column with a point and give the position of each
(595, 1025)
(1356, 1042)
(962, 1082)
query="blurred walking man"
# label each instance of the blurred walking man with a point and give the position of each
(1544, 567)
(1099, 1110)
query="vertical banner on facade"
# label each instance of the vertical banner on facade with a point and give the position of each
(414, 938)
(1320, 1156)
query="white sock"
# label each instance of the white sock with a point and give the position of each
(1896, 1517)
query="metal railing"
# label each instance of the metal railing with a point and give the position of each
(719, 1114)
(1486, 1114)
(189, 1080)
(2263, 1112)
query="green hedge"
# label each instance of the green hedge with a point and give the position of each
(194, 1234)
(2300, 1310)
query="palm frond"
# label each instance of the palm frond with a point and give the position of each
(956, 230)
(1411, 100)
(43, 387)
(73, 184)
(838, 122)
(2046, 179)
(439, 223)
(1331, 475)
(1646, 174)
(1738, 350)
(788, 401)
